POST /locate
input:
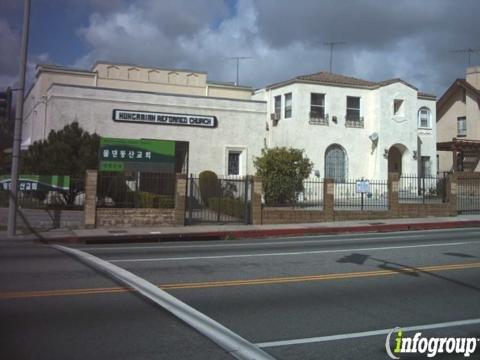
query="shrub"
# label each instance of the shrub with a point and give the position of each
(209, 185)
(283, 171)
(151, 200)
(227, 206)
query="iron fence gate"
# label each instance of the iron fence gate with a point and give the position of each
(468, 194)
(218, 200)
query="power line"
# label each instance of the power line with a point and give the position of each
(468, 51)
(238, 58)
(332, 44)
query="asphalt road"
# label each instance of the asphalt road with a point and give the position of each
(296, 298)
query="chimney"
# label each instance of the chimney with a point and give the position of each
(473, 76)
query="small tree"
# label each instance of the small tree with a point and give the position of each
(69, 151)
(283, 171)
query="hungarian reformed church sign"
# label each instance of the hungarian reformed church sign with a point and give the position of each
(147, 117)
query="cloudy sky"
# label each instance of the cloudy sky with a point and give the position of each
(410, 39)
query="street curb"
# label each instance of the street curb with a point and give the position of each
(257, 233)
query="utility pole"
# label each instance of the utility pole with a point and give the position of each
(238, 58)
(332, 44)
(17, 136)
(468, 51)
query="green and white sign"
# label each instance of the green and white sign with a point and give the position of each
(37, 183)
(136, 155)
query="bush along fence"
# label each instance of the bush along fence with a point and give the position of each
(406, 196)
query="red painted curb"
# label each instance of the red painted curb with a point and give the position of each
(258, 233)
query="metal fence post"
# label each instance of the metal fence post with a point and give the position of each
(190, 199)
(245, 202)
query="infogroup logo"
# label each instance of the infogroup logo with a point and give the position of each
(429, 346)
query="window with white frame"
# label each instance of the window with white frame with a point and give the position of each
(317, 106)
(462, 126)
(424, 118)
(278, 105)
(233, 162)
(288, 105)
(353, 108)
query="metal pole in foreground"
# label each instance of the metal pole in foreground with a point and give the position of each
(17, 137)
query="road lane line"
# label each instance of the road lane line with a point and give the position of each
(366, 333)
(251, 243)
(280, 240)
(231, 342)
(294, 253)
(242, 282)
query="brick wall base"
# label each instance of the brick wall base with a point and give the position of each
(135, 217)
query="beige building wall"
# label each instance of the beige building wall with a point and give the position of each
(460, 103)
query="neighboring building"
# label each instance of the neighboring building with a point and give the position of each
(349, 128)
(458, 124)
(352, 128)
(226, 127)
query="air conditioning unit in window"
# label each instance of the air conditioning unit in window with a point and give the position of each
(275, 117)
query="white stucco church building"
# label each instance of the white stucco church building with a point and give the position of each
(349, 128)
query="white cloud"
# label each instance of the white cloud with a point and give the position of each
(281, 44)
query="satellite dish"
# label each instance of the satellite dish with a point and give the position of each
(373, 136)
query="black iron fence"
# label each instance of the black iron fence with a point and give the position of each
(32, 195)
(361, 195)
(219, 199)
(468, 194)
(422, 189)
(136, 190)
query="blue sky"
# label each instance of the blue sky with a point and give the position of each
(384, 39)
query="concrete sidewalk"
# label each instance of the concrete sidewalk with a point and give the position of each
(214, 232)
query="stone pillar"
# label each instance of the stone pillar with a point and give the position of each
(90, 206)
(393, 204)
(180, 199)
(328, 199)
(257, 200)
(451, 191)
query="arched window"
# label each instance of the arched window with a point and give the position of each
(424, 118)
(336, 163)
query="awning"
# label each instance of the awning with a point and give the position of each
(459, 145)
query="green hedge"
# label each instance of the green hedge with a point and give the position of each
(151, 200)
(227, 206)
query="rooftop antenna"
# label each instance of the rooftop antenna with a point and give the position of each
(332, 44)
(468, 51)
(238, 58)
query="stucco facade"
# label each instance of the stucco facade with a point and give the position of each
(385, 134)
(62, 96)
(367, 142)
(460, 103)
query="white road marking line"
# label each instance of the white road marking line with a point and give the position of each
(366, 334)
(250, 243)
(290, 253)
(235, 345)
